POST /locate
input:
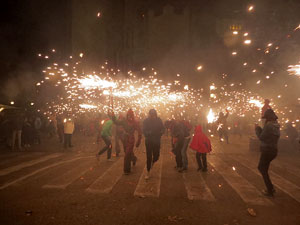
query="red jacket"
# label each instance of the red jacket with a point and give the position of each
(200, 142)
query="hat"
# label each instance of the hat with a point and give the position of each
(269, 115)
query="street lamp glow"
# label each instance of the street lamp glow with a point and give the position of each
(12, 102)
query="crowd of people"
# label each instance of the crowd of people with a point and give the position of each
(22, 131)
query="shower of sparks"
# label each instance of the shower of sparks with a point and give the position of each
(294, 70)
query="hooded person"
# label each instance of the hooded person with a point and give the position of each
(268, 136)
(130, 125)
(153, 129)
(201, 144)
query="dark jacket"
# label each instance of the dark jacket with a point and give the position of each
(153, 129)
(268, 136)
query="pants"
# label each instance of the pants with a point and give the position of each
(118, 139)
(129, 154)
(17, 134)
(203, 163)
(153, 151)
(107, 147)
(183, 152)
(67, 140)
(263, 167)
(177, 151)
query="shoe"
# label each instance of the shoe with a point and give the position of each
(267, 194)
(204, 169)
(182, 170)
(134, 160)
(147, 176)
(200, 168)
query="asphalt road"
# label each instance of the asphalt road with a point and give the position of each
(46, 185)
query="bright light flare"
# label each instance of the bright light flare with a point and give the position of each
(211, 117)
(294, 70)
(256, 103)
(247, 42)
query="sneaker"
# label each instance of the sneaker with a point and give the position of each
(268, 194)
(147, 176)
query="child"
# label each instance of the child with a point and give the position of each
(202, 145)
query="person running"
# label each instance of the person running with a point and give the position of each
(201, 144)
(106, 137)
(130, 125)
(268, 136)
(153, 129)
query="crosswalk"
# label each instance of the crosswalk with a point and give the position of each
(196, 184)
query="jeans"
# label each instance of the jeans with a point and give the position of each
(177, 151)
(153, 151)
(183, 152)
(107, 147)
(67, 140)
(201, 164)
(263, 167)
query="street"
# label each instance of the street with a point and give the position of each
(50, 185)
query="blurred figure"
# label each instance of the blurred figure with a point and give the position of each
(177, 132)
(265, 107)
(60, 129)
(119, 137)
(106, 137)
(37, 129)
(186, 126)
(268, 136)
(27, 132)
(222, 126)
(17, 125)
(201, 144)
(292, 134)
(153, 129)
(130, 125)
(69, 128)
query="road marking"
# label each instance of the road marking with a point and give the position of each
(106, 182)
(286, 166)
(286, 186)
(195, 185)
(63, 181)
(246, 190)
(40, 170)
(28, 164)
(150, 187)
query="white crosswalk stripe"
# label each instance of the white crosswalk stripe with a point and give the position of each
(246, 190)
(64, 180)
(150, 187)
(28, 164)
(38, 171)
(106, 182)
(195, 185)
(286, 186)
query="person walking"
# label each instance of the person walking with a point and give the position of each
(106, 137)
(268, 136)
(177, 133)
(69, 128)
(130, 125)
(201, 144)
(186, 126)
(153, 129)
(17, 125)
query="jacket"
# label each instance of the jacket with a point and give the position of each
(153, 129)
(106, 129)
(268, 136)
(69, 127)
(200, 141)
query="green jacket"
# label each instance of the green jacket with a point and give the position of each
(106, 129)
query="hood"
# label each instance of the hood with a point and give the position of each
(130, 115)
(198, 129)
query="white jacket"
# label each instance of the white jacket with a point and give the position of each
(69, 127)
